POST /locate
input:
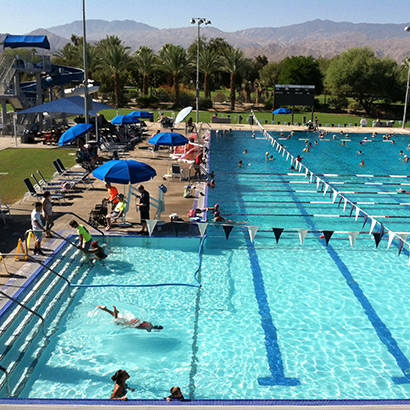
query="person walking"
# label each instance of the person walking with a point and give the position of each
(47, 213)
(37, 227)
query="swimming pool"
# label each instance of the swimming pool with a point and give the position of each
(270, 321)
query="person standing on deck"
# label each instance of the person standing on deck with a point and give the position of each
(143, 205)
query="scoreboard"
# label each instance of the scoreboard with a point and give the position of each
(288, 95)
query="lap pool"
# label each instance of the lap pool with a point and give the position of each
(271, 320)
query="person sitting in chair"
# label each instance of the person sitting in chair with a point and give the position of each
(117, 212)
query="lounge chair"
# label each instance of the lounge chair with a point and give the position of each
(46, 187)
(72, 177)
(32, 191)
(69, 171)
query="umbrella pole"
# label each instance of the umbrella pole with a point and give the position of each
(96, 128)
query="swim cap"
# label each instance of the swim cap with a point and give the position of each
(94, 244)
(266, 153)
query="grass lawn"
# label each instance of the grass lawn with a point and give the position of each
(205, 116)
(20, 163)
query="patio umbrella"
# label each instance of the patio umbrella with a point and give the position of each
(124, 120)
(168, 138)
(182, 115)
(141, 114)
(124, 172)
(74, 132)
(282, 111)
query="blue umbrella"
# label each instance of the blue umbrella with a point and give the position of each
(74, 132)
(123, 120)
(168, 138)
(282, 111)
(141, 114)
(124, 172)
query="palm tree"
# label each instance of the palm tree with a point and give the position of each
(233, 63)
(145, 60)
(115, 60)
(209, 63)
(173, 61)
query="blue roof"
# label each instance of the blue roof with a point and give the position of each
(68, 105)
(26, 41)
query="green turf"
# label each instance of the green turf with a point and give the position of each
(20, 163)
(205, 116)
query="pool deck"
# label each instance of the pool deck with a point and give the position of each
(82, 202)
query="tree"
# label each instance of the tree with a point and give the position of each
(145, 61)
(260, 62)
(269, 74)
(115, 60)
(301, 70)
(233, 63)
(209, 63)
(173, 60)
(359, 74)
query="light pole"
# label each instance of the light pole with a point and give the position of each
(407, 28)
(85, 68)
(198, 21)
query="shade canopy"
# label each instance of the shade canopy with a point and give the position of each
(69, 105)
(141, 114)
(282, 111)
(26, 41)
(182, 115)
(123, 120)
(124, 172)
(168, 138)
(74, 132)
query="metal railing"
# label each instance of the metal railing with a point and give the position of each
(3, 369)
(24, 306)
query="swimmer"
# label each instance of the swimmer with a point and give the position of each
(362, 163)
(120, 387)
(306, 149)
(245, 151)
(402, 191)
(374, 135)
(219, 218)
(271, 158)
(176, 394)
(401, 153)
(343, 143)
(281, 134)
(122, 320)
(298, 158)
(359, 152)
(253, 134)
(405, 158)
(211, 183)
(266, 155)
(334, 136)
(214, 208)
(240, 163)
(97, 250)
(316, 142)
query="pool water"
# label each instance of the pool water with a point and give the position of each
(280, 321)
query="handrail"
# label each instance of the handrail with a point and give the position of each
(83, 220)
(55, 233)
(3, 369)
(27, 308)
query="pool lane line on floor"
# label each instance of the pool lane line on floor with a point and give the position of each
(381, 329)
(273, 352)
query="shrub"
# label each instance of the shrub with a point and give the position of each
(338, 102)
(268, 104)
(148, 101)
(219, 97)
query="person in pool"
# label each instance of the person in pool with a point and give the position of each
(240, 163)
(97, 250)
(120, 387)
(122, 320)
(176, 394)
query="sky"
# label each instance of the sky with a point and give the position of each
(22, 16)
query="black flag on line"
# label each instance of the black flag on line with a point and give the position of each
(228, 230)
(377, 237)
(278, 233)
(327, 235)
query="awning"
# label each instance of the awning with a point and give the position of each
(69, 105)
(26, 41)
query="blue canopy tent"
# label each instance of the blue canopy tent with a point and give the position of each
(74, 132)
(26, 41)
(68, 105)
(142, 115)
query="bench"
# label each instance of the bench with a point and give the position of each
(220, 120)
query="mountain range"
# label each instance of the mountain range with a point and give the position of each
(317, 38)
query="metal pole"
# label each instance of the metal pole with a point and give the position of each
(407, 99)
(85, 69)
(197, 74)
